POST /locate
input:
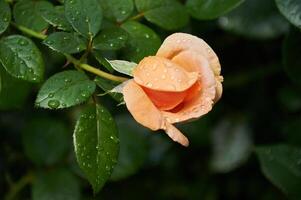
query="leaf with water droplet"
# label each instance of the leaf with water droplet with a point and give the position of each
(280, 164)
(85, 16)
(168, 14)
(27, 13)
(117, 10)
(94, 149)
(56, 17)
(15, 51)
(65, 93)
(110, 39)
(138, 46)
(65, 42)
(5, 16)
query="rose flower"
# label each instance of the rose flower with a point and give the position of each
(181, 82)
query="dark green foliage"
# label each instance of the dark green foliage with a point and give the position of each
(96, 144)
(65, 89)
(5, 16)
(21, 58)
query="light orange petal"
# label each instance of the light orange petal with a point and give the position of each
(178, 42)
(141, 107)
(202, 102)
(161, 74)
(176, 135)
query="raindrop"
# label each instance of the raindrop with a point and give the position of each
(92, 117)
(149, 85)
(120, 38)
(53, 103)
(123, 12)
(64, 105)
(87, 20)
(67, 80)
(30, 70)
(147, 35)
(65, 38)
(111, 45)
(51, 95)
(5, 19)
(84, 94)
(23, 42)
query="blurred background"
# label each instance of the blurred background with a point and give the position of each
(247, 147)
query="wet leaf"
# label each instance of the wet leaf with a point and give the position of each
(65, 89)
(96, 144)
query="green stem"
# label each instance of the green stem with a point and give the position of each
(94, 70)
(138, 16)
(76, 62)
(30, 32)
(17, 187)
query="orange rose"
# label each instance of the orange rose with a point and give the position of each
(180, 83)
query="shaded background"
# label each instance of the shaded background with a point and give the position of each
(229, 156)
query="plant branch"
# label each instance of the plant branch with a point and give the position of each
(18, 186)
(73, 60)
(138, 16)
(30, 32)
(94, 70)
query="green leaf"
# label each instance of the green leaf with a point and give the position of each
(231, 146)
(45, 140)
(5, 15)
(291, 9)
(107, 85)
(142, 42)
(281, 164)
(123, 66)
(21, 58)
(27, 13)
(168, 14)
(117, 10)
(58, 184)
(210, 9)
(102, 60)
(65, 89)
(56, 17)
(291, 55)
(255, 19)
(85, 16)
(65, 42)
(110, 39)
(96, 144)
(13, 92)
(132, 138)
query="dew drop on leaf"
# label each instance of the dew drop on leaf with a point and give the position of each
(53, 103)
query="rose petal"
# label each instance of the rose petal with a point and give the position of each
(141, 107)
(165, 100)
(161, 74)
(178, 42)
(176, 135)
(202, 102)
